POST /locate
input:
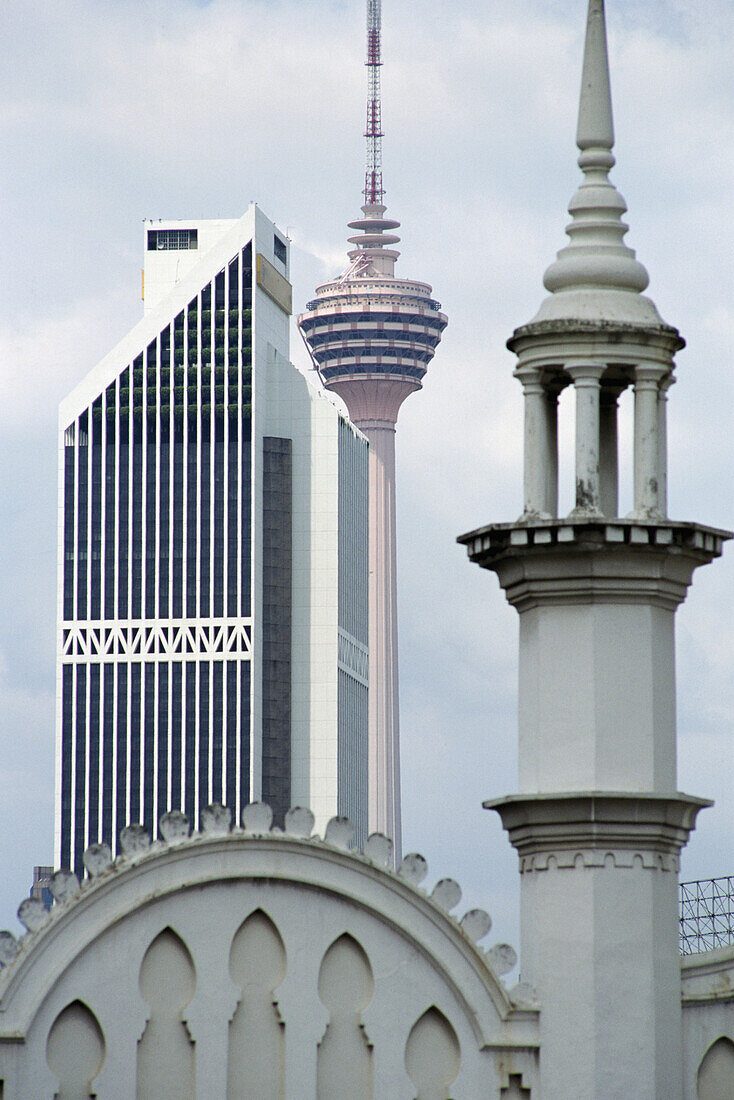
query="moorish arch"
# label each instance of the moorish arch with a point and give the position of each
(716, 1072)
(277, 943)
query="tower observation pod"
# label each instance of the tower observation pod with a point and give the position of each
(598, 822)
(371, 337)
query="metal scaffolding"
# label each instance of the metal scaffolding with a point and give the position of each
(706, 914)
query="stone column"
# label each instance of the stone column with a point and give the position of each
(665, 385)
(551, 451)
(540, 436)
(608, 465)
(586, 381)
(647, 447)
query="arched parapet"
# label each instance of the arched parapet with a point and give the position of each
(200, 891)
(708, 1023)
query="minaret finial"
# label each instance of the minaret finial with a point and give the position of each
(596, 276)
(596, 126)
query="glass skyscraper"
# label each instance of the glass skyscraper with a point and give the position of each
(213, 557)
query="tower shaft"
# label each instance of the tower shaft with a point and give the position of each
(384, 712)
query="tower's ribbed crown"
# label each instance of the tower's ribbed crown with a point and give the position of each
(368, 323)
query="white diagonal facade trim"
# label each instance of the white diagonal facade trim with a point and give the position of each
(163, 639)
(353, 657)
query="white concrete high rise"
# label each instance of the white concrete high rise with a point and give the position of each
(212, 622)
(598, 823)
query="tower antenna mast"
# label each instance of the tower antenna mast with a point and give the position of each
(373, 192)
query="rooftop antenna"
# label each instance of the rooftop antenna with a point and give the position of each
(373, 191)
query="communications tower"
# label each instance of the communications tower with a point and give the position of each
(371, 336)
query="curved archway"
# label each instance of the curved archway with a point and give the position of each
(75, 1051)
(716, 1073)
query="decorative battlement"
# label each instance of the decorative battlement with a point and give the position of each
(257, 829)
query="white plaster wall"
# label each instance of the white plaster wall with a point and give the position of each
(597, 697)
(163, 270)
(600, 946)
(708, 1010)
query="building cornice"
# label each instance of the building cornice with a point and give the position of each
(586, 560)
(546, 824)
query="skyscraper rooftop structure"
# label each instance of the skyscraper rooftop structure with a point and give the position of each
(212, 618)
(372, 336)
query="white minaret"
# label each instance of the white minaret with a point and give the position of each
(598, 823)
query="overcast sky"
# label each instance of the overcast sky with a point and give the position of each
(113, 111)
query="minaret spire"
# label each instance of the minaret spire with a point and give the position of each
(597, 275)
(596, 125)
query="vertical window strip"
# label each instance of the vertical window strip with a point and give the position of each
(94, 784)
(244, 730)
(122, 768)
(110, 518)
(138, 489)
(161, 551)
(230, 735)
(67, 743)
(204, 751)
(166, 477)
(177, 800)
(80, 758)
(147, 438)
(88, 546)
(116, 501)
(135, 723)
(190, 473)
(96, 510)
(82, 496)
(163, 800)
(108, 752)
(178, 489)
(124, 496)
(149, 748)
(217, 718)
(70, 447)
(189, 764)
(102, 550)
